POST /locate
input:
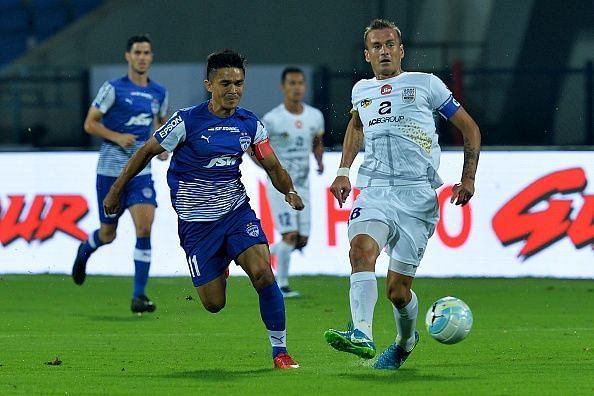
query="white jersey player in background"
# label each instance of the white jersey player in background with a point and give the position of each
(397, 208)
(295, 129)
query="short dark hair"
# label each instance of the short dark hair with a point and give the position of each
(140, 38)
(225, 58)
(378, 24)
(290, 69)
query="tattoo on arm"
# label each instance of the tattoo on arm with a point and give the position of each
(471, 157)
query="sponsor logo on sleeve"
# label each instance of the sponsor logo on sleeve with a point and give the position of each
(169, 126)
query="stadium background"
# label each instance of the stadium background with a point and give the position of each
(529, 87)
(523, 69)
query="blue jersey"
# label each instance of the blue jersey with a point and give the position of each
(127, 108)
(204, 175)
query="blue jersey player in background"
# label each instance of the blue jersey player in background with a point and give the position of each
(215, 221)
(124, 113)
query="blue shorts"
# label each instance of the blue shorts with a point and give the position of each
(210, 246)
(139, 190)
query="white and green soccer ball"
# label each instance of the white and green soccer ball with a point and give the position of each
(449, 320)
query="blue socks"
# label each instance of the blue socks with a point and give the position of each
(142, 264)
(92, 244)
(272, 311)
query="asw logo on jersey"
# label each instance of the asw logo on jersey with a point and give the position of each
(40, 218)
(224, 160)
(517, 220)
(142, 119)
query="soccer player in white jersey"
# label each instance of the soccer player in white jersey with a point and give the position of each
(216, 223)
(295, 129)
(392, 117)
(123, 114)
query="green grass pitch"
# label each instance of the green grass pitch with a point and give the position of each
(530, 337)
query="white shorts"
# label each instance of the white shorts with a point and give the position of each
(410, 213)
(287, 219)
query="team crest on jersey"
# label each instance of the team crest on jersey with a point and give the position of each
(155, 106)
(147, 192)
(252, 230)
(365, 103)
(386, 89)
(409, 94)
(245, 142)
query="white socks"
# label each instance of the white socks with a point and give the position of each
(363, 296)
(406, 322)
(282, 250)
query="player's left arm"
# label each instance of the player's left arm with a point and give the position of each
(318, 151)
(160, 119)
(135, 164)
(463, 191)
(278, 175)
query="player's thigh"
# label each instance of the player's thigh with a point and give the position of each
(255, 261)
(103, 185)
(372, 206)
(204, 247)
(417, 213)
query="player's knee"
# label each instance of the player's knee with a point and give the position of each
(262, 277)
(362, 253)
(213, 306)
(398, 294)
(143, 231)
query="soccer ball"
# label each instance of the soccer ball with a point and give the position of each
(449, 320)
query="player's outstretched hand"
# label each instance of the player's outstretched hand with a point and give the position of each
(126, 140)
(111, 203)
(462, 192)
(341, 188)
(294, 200)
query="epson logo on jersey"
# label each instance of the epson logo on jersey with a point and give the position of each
(169, 126)
(224, 160)
(142, 119)
(382, 120)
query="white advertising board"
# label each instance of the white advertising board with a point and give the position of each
(532, 215)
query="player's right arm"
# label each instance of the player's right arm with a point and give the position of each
(135, 164)
(353, 141)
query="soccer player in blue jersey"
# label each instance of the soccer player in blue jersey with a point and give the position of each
(215, 221)
(396, 211)
(124, 113)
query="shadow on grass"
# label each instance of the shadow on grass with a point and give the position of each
(400, 376)
(218, 374)
(116, 318)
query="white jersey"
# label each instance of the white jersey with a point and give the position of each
(401, 147)
(291, 137)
